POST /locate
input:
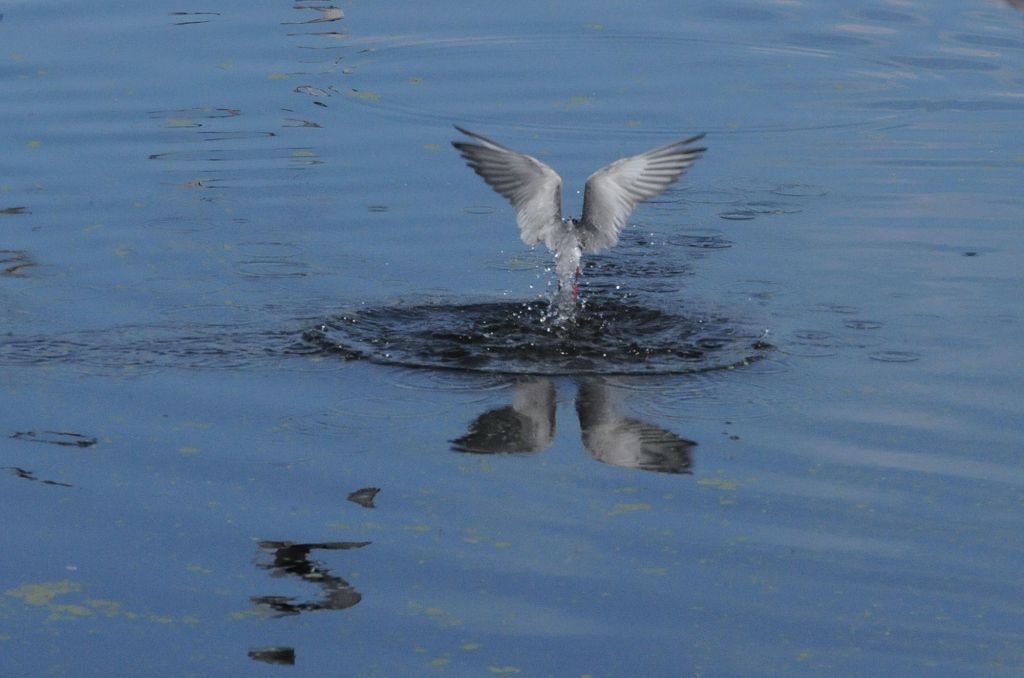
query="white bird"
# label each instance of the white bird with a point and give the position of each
(610, 196)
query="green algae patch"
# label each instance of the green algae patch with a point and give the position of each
(62, 600)
(42, 594)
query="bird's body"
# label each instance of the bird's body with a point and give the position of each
(567, 246)
(611, 194)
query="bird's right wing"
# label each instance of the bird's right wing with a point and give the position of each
(614, 191)
(614, 439)
(533, 188)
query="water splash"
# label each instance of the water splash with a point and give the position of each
(603, 335)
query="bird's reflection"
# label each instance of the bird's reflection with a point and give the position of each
(614, 439)
(285, 656)
(290, 558)
(528, 425)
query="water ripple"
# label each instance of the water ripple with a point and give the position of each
(143, 348)
(608, 336)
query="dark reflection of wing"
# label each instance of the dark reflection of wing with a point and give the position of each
(527, 425)
(613, 439)
(290, 558)
(284, 656)
(364, 497)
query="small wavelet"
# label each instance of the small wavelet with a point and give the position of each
(137, 349)
(811, 343)
(895, 356)
(482, 386)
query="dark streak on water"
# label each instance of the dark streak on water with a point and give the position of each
(142, 347)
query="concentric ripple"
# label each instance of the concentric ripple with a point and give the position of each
(608, 336)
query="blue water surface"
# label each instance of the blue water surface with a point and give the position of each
(201, 475)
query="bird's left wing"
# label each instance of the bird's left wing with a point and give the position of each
(614, 191)
(533, 188)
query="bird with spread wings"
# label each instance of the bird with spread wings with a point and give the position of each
(610, 196)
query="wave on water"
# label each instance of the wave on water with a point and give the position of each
(607, 336)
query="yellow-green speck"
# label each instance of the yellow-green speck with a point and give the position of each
(68, 612)
(619, 509)
(573, 102)
(365, 96)
(720, 483)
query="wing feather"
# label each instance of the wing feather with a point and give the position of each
(614, 191)
(533, 188)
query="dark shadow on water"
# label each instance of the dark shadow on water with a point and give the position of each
(364, 497)
(25, 474)
(528, 425)
(292, 559)
(60, 438)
